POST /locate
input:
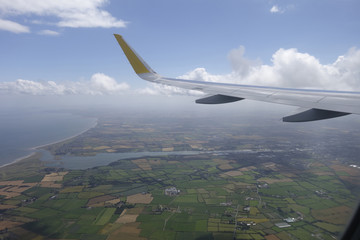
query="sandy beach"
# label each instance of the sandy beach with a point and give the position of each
(36, 148)
(18, 160)
(65, 139)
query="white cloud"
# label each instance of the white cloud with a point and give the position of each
(148, 91)
(13, 26)
(99, 84)
(276, 9)
(49, 33)
(105, 84)
(289, 68)
(239, 63)
(70, 13)
(160, 89)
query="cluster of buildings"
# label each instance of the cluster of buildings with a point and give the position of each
(172, 191)
(286, 223)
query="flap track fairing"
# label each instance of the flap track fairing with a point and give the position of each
(313, 115)
(218, 99)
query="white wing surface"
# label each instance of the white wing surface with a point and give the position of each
(321, 104)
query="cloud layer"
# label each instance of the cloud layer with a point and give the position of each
(289, 68)
(99, 84)
(68, 13)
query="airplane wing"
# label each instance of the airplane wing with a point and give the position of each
(320, 104)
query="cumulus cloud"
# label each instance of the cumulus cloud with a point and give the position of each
(99, 84)
(48, 32)
(277, 9)
(274, 9)
(289, 68)
(70, 13)
(105, 84)
(14, 27)
(160, 89)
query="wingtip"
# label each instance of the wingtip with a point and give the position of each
(118, 36)
(135, 60)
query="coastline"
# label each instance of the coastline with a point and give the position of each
(64, 139)
(18, 159)
(36, 148)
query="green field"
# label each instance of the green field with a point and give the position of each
(222, 194)
(104, 216)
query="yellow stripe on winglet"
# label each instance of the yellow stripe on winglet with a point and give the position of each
(134, 60)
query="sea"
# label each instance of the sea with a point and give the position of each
(22, 131)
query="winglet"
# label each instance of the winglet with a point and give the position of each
(135, 60)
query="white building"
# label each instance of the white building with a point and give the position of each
(172, 191)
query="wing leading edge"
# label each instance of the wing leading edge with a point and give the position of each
(320, 104)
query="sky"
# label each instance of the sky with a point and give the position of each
(66, 47)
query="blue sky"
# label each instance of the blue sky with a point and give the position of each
(69, 44)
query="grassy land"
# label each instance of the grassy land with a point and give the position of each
(221, 195)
